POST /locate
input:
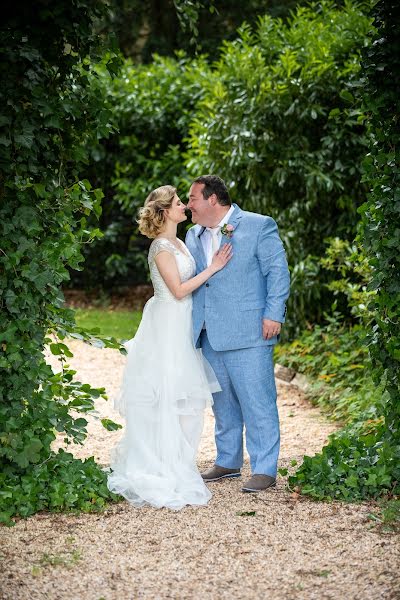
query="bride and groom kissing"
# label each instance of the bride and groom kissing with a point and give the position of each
(206, 338)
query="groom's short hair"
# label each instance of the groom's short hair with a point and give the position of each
(214, 185)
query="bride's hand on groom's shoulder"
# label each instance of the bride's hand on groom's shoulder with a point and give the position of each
(222, 257)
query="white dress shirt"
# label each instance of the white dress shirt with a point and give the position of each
(206, 237)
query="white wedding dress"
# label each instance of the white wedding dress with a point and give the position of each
(166, 385)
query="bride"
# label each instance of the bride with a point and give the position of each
(166, 383)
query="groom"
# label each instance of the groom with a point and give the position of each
(237, 317)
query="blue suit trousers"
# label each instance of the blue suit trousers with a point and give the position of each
(247, 399)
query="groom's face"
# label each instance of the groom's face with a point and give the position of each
(202, 210)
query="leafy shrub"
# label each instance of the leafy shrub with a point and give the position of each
(364, 459)
(335, 359)
(152, 109)
(146, 28)
(388, 515)
(334, 354)
(278, 116)
(50, 113)
(281, 120)
(357, 463)
(60, 483)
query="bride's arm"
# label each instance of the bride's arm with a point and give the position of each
(168, 269)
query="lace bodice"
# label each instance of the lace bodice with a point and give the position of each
(184, 260)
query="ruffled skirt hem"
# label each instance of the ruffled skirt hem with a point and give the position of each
(166, 385)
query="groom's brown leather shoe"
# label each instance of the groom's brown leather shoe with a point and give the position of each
(216, 472)
(258, 483)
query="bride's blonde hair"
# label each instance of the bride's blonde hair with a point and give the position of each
(151, 217)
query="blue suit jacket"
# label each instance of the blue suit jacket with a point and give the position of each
(254, 284)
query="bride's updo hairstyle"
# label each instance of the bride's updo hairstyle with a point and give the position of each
(151, 218)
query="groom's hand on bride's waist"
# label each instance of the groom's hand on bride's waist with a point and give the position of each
(271, 328)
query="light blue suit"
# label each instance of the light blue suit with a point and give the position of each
(227, 323)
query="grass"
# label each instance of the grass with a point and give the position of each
(387, 517)
(64, 560)
(120, 324)
(67, 558)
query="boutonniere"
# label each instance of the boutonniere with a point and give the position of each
(227, 230)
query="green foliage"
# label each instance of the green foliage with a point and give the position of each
(357, 463)
(153, 110)
(364, 459)
(334, 355)
(49, 115)
(188, 15)
(278, 116)
(335, 360)
(153, 106)
(281, 121)
(307, 295)
(380, 230)
(145, 28)
(57, 484)
(388, 515)
(350, 262)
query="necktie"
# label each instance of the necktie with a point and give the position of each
(214, 231)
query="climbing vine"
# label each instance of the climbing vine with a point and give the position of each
(49, 114)
(363, 460)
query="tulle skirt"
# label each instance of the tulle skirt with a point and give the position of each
(167, 384)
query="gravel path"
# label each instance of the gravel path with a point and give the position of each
(271, 545)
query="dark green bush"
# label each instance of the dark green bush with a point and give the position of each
(357, 463)
(153, 108)
(50, 114)
(281, 120)
(58, 484)
(145, 28)
(363, 460)
(278, 116)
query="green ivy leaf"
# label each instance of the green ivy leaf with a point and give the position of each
(110, 425)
